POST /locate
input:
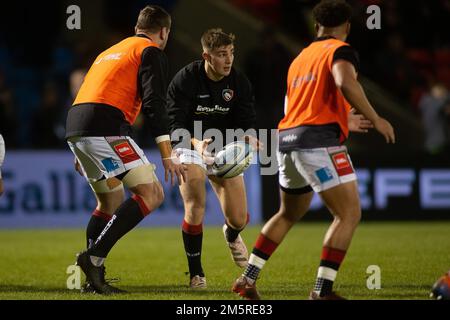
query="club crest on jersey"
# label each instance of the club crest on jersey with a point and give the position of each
(227, 94)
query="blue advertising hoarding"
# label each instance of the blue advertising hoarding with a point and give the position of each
(43, 190)
(380, 187)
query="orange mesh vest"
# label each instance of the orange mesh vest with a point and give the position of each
(113, 77)
(312, 97)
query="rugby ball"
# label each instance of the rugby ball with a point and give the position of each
(232, 160)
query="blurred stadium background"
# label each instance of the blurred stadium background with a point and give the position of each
(405, 69)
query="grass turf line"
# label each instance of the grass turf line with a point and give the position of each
(151, 263)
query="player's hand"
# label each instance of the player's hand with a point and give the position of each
(385, 129)
(358, 123)
(254, 142)
(77, 166)
(173, 168)
(200, 147)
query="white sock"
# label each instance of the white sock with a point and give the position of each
(255, 264)
(325, 278)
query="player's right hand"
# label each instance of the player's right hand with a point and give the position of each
(385, 129)
(173, 168)
(358, 123)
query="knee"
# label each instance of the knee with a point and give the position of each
(109, 204)
(194, 211)
(238, 220)
(152, 195)
(289, 215)
(107, 208)
(355, 218)
(351, 218)
(158, 195)
(195, 207)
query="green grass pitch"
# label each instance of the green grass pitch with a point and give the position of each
(152, 265)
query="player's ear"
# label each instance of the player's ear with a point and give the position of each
(349, 26)
(206, 56)
(164, 33)
(316, 27)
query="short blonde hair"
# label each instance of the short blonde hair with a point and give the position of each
(216, 38)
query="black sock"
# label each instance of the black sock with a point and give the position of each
(192, 239)
(126, 217)
(95, 226)
(231, 234)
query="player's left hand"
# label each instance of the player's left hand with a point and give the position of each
(358, 123)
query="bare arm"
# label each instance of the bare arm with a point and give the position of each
(344, 74)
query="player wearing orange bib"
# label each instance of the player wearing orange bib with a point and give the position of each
(322, 87)
(124, 80)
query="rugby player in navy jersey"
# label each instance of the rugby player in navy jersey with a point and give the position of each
(211, 92)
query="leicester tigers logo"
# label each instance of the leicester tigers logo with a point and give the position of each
(227, 94)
